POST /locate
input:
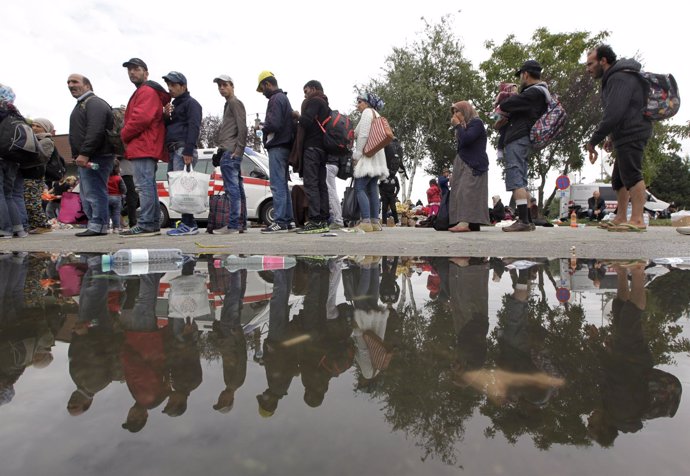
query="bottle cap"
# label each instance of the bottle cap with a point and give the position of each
(106, 261)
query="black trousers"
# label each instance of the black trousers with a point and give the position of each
(315, 188)
(388, 201)
(131, 199)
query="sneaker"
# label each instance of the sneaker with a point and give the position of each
(225, 231)
(6, 237)
(275, 228)
(183, 230)
(292, 227)
(21, 234)
(376, 226)
(518, 226)
(313, 227)
(39, 230)
(683, 230)
(365, 227)
(335, 226)
(136, 230)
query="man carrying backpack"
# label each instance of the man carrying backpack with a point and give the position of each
(143, 134)
(525, 109)
(277, 137)
(623, 128)
(89, 122)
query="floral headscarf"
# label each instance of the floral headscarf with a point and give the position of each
(6, 94)
(372, 99)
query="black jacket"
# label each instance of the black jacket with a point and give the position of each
(314, 108)
(278, 128)
(88, 123)
(185, 124)
(596, 204)
(623, 99)
(390, 185)
(524, 109)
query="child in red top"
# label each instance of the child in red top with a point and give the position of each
(433, 196)
(116, 189)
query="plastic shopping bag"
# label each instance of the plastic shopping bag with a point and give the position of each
(188, 191)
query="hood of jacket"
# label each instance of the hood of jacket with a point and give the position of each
(623, 64)
(163, 95)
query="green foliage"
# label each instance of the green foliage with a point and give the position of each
(210, 128)
(671, 182)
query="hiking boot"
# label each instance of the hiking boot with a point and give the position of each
(136, 230)
(313, 227)
(518, 226)
(183, 230)
(275, 228)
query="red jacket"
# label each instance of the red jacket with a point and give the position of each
(143, 132)
(433, 195)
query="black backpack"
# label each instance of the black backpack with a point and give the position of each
(394, 156)
(55, 167)
(338, 134)
(18, 143)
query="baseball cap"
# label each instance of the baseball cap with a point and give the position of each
(175, 77)
(531, 66)
(223, 77)
(135, 62)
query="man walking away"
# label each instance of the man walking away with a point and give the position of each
(278, 135)
(388, 189)
(143, 134)
(624, 129)
(183, 121)
(232, 138)
(89, 122)
(525, 109)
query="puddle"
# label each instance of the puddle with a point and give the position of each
(357, 365)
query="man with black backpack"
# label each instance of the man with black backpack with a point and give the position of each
(623, 128)
(278, 134)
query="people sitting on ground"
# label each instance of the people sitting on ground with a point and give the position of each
(498, 212)
(596, 206)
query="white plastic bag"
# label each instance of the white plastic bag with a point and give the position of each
(188, 297)
(188, 191)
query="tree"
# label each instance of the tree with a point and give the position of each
(210, 127)
(419, 84)
(672, 181)
(560, 55)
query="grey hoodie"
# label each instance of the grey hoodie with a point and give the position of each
(623, 100)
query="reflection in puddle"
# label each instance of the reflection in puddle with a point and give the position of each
(559, 352)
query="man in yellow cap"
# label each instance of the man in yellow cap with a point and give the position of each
(278, 134)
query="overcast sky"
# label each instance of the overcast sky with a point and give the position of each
(342, 44)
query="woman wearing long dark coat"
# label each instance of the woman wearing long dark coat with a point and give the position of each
(469, 186)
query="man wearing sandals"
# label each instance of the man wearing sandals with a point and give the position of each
(623, 130)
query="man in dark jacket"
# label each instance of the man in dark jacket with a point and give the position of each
(143, 134)
(314, 108)
(388, 189)
(183, 121)
(277, 137)
(88, 123)
(596, 206)
(623, 128)
(524, 109)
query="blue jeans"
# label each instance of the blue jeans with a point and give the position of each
(176, 164)
(93, 190)
(142, 316)
(115, 209)
(145, 181)
(367, 189)
(278, 170)
(18, 197)
(230, 170)
(9, 215)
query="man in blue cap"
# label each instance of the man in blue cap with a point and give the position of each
(183, 120)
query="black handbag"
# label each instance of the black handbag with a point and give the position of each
(351, 212)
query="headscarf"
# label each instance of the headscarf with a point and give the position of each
(6, 94)
(45, 124)
(372, 99)
(466, 109)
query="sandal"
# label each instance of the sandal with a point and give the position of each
(625, 227)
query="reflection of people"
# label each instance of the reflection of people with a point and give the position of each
(632, 390)
(231, 340)
(183, 362)
(469, 192)
(143, 353)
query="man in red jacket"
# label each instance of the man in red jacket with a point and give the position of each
(143, 134)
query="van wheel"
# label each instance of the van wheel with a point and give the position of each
(165, 216)
(268, 213)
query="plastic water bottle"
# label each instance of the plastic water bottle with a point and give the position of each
(92, 166)
(256, 262)
(629, 211)
(645, 217)
(143, 261)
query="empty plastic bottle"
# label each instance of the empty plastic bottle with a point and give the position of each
(143, 261)
(92, 166)
(256, 262)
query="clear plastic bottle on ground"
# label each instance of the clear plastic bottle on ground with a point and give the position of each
(256, 262)
(143, 261)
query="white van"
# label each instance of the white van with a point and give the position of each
(580, 193)
(254, 170)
